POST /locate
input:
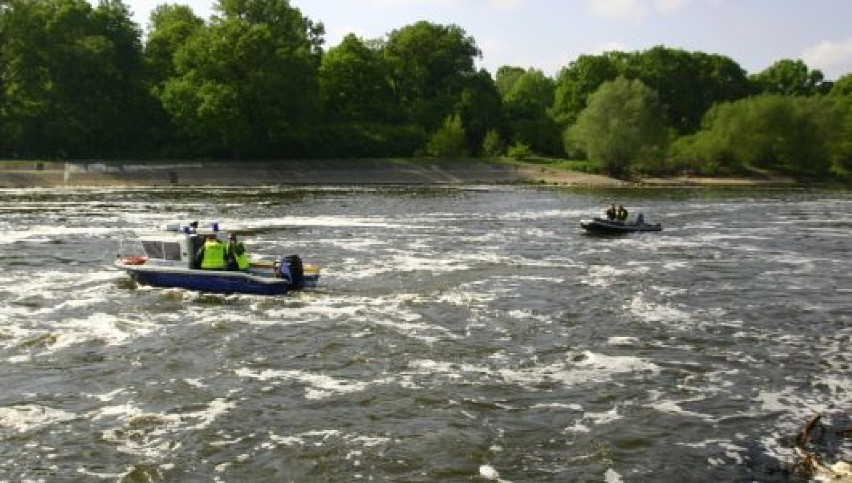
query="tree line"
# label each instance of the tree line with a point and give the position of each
(254, 81)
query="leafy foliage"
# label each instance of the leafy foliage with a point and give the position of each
(355, 83)
(492, 144)
(790, 78)
(253, 81)
(448, 141)
(621, 125)
(519, 150)
(72, 78)
(795, 135)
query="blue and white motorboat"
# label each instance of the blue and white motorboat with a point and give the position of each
(168, 261)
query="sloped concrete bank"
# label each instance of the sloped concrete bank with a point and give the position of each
(18, 174)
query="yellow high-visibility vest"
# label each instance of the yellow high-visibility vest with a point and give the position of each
(214, 255)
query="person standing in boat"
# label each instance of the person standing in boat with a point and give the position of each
(621, 214)
(236, 256)
(211, 256)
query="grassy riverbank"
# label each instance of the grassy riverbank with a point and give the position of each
(19, 174)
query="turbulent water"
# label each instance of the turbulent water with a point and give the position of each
(458, 334)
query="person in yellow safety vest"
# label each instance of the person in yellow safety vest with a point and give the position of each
(237, 255)
(621, 214)
(212, 254)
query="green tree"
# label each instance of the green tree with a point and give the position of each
(842, 87)
(526, 102)
(794, 135)
(73, 79)
(576, 82)
(621, 125)
(789, 78)
(507, 76)
(246, 86)
(355, 83)
(480, 108)
(448, 141)
(430, 65)
(492, 144)
(688, 83)
(171, 26)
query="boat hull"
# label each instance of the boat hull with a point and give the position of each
(215, 281)
(601, 226)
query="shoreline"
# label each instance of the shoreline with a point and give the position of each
(33, 174)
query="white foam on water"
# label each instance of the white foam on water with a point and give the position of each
(653, 312)
(674, 407)
(577, 427)
(792, 400)
(603, 275)
(102, 327)
(326, 221)
(528, 314)
(555, 405)
(360, 244)
(329, 436)
(594, 419)
(108, 396)
(409, 263)
(50, 233)
(612, 476)
(489, 472)
(319, 386)
(668, 291)
(389, 311)
(623, 341)
(25, 418)
(155, 435)
(465, 296)
(592, 367)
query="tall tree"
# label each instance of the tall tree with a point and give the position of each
(621, 125)
(355, 83)
(73, 78)
(527, 102)
(246, 86)
(842, 87)
(430, 64)
(576, 82)
(507, 76)
(170, 28)
(789, 78)
(688, 83)
(480, 108)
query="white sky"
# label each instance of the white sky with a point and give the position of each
(548, 34)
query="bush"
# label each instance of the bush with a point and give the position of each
(519, 150)
(492, 145)
(449, 141)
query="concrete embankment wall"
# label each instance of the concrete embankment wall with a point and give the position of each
(236, 173)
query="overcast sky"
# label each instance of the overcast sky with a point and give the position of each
(548, 34)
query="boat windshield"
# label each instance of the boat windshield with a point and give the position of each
(162, 250)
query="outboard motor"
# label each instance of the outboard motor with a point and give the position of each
(292, 268)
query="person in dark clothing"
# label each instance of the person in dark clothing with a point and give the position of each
(611, 213)
(236, 256)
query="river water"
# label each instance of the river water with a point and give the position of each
(457, 334)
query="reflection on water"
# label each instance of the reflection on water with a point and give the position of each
(457, 334)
